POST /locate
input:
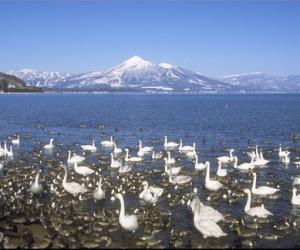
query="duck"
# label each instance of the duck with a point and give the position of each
(263, 190)
(107, 143)
(244, 166)
(179, 179)
(295, 198)
(50, 145)
(169, 159)
(36, 187)
(91, 148)
(203, 211)
(282, 153)
(132, 159)
(158, 155)
(99, 194)
(199, 165)
(16, 141)
(83, 170)
(260, 212)
(212, 185)
(150, 194)
(186, 148)
(127, 222)
(114, 163)
(75, 158)
(73, 188)
(221, 172)
(170, 144)
(226, 159)
(144, 149)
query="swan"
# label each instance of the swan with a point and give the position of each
(36, 187)
(158, 155)
(140, 153)
(191, 153)
(296, 180)
(208, 228)
(83, 170)
(9, 153)
(127, 222)
(244, 166)
(114, 163)
(226, 159)
(91, 148)
(50, 145)
(132, 159)
(169, 159)
(295, 198)
(72, 187)
(255, 211)
(205, 212)
(179, 179)
(186, 148)
(99, 194)
(108, 143)
(150, 194)
(145, 149)
(170, 144)
(281, 152)
(117, 150)
(199, 165)
(75, 158)
(175, 170)
(221, 172)
(16, 141)
(261, 160)
(263, 190)
(212, 185)
(125, 169)
(286, 158)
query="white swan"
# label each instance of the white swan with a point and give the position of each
(179, 179)
(16, 141)
(244, 166)
(226, 159)
(158, 155)
(117, 150)
(50, 145)
(75, 158)
(212, 185)
(255, 211)
(175, 170)
(263, 190)
(99, 194)
(191, 153)
(208, 228)
(150, 194)
(83, 170)
(9, 153)
(170, 144)
(185, 148)
(221, 172)
(145, 149)
(204, 212)
(114, 163)
(261, 160)
(108, 143)
(281, 152)
(125, 169)
(169, 159)
(36, 187)
(127, 222)
(91, 148)
(72, 187)
(199, 165)
(296, 180)
(295, 198)
(133, 158)
(286, 159)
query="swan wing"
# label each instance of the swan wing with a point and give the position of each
(209, 228)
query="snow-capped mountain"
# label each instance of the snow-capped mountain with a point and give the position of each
(40, 78)
(139, 74)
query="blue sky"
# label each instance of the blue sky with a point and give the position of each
(214, 38)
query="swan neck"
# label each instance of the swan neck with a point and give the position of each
(207, 172)
(247, 207)
(254, 183)
(122, 212)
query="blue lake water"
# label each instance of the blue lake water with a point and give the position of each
(214, 122)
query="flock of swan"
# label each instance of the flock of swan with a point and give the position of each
(205, 218)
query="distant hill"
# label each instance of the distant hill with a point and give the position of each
(10, 83)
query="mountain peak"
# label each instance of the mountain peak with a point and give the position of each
(135, 60)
